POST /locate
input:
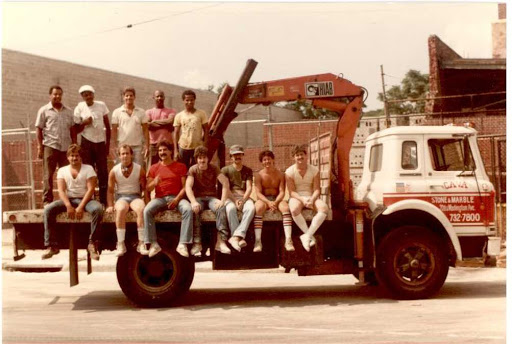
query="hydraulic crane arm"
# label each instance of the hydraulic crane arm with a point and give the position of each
(323, 90)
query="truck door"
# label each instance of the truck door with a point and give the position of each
(455, 184)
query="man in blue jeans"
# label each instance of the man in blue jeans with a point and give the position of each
(201, 189)
(76, 183)
(167, 177)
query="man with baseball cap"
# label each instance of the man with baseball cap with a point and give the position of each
(91, 117)
(240, 184)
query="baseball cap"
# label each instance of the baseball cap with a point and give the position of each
(236, 149)
(86, 88)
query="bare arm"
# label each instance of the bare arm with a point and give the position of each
(174, 203)
(196, 207)
(110, 191)
(176, 136)
(91, 185)
(142, 181)
(205, 134)
(282, 189)
(106, 122)
(316, 188)
(224, 181)
(113, 134)
(292, 190)
(39, 133)
(73, 132)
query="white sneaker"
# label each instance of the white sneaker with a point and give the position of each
(242, 243)
(154, 249)
(222, 247)
(234, 242)
(312, 242)
(258, 247)
(141, 248)
(182, 249)
(120, 248)
(288, 245)
(196, 249)
(305, 240)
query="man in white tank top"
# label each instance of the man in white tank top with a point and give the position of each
(128, 180)
(303, 181)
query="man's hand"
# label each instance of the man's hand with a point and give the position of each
(79, 213)
(176, 155)
(218, 204)
(109, 210)
(272, 206)
(87, 121)
(308, 202)
(240, 204)
(39, 152)
(71, 212)
(196, 207)
(156, 180)
(172, 204)
(146, 152)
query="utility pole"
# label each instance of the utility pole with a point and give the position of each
(386, 113)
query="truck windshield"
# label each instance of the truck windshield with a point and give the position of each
(451, 155)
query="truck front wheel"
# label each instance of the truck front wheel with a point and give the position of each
(412, 262)
(156, 281)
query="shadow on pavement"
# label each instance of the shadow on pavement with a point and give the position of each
(198, 299)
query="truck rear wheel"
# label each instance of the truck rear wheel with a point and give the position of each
(411, 263)
(156, 281)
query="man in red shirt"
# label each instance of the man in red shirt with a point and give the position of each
(160, 125)
(167, 177)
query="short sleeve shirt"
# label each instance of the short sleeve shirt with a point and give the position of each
(155, 114)
(56, 126)
(205, 182)
(237, 179)
(95, 132)
(191, 128)
(303, 185)
(130, 126)
(170, 178)
(76, 187)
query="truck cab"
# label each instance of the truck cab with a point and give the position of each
(426, 175)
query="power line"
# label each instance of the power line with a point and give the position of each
(129, 26)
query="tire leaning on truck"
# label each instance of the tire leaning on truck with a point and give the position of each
(156, 281)
(412, 262)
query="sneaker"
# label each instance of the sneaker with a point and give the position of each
(141, 248)
(50, 252)
(154, 249)
(93, 251)
(234, 242)
(312, 242)
(305, 240)
(182, 250)
(120, 248)
(258, 247)
(242, 243)
(288, 245)
(196, 249)
(222, 247)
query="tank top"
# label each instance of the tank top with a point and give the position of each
(130, 185)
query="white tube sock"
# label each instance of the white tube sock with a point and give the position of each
(121, 233)
(140, 234)
(300, 222)
(317, 221)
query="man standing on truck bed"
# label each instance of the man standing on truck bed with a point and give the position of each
(201, 187)
(167, 177)
(160, 125)
(91, 117)
(240, 183)
(190, 129)
(55, 132)
(270, 189)
(303, 181)
(128, 180)
(76, 183)
(130, 126)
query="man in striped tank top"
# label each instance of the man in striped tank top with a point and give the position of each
(128, 180)
(303, 181)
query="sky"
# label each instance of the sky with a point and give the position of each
(196, 44)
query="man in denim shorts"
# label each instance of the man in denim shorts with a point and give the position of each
(128, 180)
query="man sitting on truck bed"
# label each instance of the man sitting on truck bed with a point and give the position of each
(167, 177)
(270, 189)
(240, 183)
(201, 189)
(303, 181)
(76, 183)
(128, 179)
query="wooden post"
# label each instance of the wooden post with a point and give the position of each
(73, 256)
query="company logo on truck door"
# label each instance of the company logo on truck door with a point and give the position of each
(461, 209)
(319, 89)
